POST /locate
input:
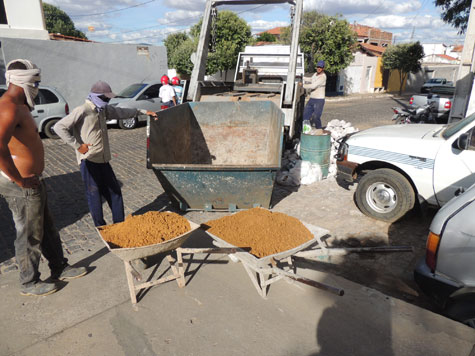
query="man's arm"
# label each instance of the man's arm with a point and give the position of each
(317, 81)
(64, 127)
(9, 119)
(114, 112)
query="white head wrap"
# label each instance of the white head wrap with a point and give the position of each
(25, 78)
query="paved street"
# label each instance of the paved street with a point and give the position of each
(219, 311)
(324, 204)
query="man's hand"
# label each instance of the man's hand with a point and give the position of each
(29, 182)
(84, 148)
(151, 113)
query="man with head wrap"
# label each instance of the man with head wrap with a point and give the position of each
(21, 165)
(85, 130)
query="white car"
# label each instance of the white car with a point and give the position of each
(50, 107)
(400, 163)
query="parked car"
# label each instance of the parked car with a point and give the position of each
(439, 97)
(447, 274)
(435, 82)
(50, 107)
(398, 165)
(137, 96)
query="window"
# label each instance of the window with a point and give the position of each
(151, 93)
(3, 14)
(49, 97)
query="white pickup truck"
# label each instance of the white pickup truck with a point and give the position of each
(399, 163)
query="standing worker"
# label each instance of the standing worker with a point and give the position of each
(178, 89)
(167, 94)
(22, 161)
(314, 108)
(85, 130)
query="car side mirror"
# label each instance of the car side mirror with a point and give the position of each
(462, 142)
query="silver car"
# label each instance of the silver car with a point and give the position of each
(137, 96)
(447, 274)
(50, 107)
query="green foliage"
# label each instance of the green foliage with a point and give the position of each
(57, 21)
(232, 35)
(455, 13)
(327, 38)
(405, 58)
(266, 37)
(180, 58)
(173, 43)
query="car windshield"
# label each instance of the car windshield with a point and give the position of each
(131, 90)
(457, 126)
(435, 81)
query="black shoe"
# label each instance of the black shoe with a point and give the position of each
(69, 273)
(39, 289)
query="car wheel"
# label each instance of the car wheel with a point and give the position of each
(384, 194)
(48, 129)
(128, 124)
(463, 311)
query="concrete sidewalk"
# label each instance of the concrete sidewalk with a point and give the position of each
(218, 313)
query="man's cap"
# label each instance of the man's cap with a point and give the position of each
(321, 64)
(102, 88)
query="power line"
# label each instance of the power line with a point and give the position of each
(112, 11)
(175, 31)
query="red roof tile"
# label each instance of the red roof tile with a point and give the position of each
(375, 50)
(60, 37)
(444, 56)
(277, 31)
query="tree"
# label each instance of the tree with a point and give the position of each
(180, 58)
(455, 13)
(327, 38)
(57, 21)
(404, 58)
(266, 37)
(173, 43)
(232, 35)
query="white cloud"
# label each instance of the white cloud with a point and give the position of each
(181, 17)
(361, 7)
(191, 5)
(399, 22)
(262, 25)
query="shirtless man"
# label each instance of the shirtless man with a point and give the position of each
(21, 165)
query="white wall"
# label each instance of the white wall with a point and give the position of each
(25, 20)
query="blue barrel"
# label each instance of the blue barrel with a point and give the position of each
(316, 149)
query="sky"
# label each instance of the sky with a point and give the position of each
(151, 21)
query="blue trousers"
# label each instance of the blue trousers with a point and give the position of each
(313, 112)
(100, 181)
(35, 230)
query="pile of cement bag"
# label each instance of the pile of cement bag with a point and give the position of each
(295, 172)
(338, 129)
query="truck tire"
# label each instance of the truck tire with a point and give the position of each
(384, 194)
(128, 124)
(48, 129)
(463, 311)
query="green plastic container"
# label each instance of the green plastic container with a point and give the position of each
(316, 149)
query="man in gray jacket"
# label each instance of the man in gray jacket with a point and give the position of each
(85, 130)
(314, 108)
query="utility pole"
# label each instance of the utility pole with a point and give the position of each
(463, 103)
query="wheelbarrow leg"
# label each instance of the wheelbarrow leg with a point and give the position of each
(130, 282)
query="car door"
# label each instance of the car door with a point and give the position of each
(149, 99)
(454, 169)
(40, 112)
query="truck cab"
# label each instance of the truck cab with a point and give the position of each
(397, 165)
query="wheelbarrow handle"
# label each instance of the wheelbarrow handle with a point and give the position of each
(338, 291)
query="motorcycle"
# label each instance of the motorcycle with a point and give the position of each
(419, 115)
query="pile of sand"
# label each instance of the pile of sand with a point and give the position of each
(264, 232)
(150, 228)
